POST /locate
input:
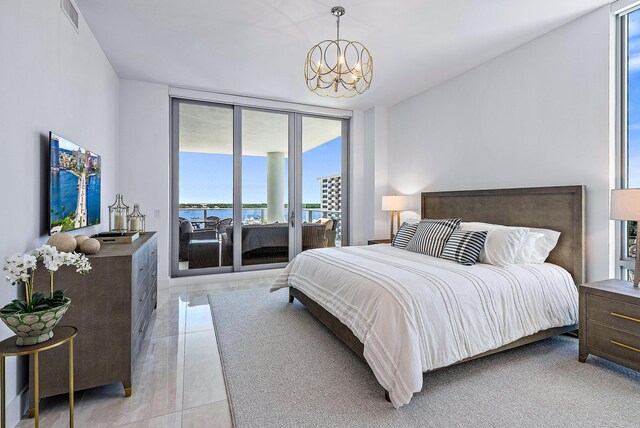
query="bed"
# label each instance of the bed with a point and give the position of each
(406, 314)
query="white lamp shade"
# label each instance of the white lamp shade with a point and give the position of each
(625, 204)
(395, 203)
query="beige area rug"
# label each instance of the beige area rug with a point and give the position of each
(283, 368)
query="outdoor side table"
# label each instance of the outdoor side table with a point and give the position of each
(8, 348)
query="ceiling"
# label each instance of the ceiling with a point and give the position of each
(258, 47)
(209, 129)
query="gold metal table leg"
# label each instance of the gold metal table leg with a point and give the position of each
(36, 389)
(4, 409)
(71, 388)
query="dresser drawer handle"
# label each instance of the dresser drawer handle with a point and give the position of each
(144, 324)
(144, 295)
(625, 317)
(625, 346)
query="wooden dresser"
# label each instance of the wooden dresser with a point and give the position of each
(610, 322)
(111, 307)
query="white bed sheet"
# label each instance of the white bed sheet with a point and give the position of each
(416, 313)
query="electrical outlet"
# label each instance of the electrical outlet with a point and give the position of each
(156, 213)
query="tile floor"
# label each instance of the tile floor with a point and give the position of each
(178, 380)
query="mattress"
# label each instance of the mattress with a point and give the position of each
(416, 313)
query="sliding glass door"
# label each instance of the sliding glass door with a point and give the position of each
(254, 187)
(265, 187)
(203, 184)
(323, 182)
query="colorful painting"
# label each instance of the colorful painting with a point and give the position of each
(74, 190)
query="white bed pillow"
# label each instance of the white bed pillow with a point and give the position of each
(544, 245)
(502, 244)
(412, 220)
(525, 253)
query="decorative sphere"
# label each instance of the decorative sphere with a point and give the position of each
(63, 242)
(90, 246)
(79, 240)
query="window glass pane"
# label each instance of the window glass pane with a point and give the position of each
(631, 143)
(627, 274)
(265, 190)
(322, 180)
(205, 184)
(633, 100)
(631, 228)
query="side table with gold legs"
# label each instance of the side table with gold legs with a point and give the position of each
(8, 348)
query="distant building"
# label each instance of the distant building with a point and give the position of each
(87, 161)
(331, 193)
(79, 158)
(55, 155)
(331, 199)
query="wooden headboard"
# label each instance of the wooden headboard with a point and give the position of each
(556, 208)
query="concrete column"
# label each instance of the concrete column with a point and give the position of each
(275, 187)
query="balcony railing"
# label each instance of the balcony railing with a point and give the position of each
(198, 215)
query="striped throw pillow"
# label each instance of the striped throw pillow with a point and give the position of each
(404, 235)
(432, 235)
(464, 247)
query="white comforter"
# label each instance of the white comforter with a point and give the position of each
(416, 313)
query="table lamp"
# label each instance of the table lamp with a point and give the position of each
(625, 205)
(395, 204)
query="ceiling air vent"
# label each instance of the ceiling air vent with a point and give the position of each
(70, 10)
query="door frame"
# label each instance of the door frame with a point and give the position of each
(294, 179)
(344, 177)
(237, 172)
(174, 173)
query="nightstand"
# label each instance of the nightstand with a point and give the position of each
(610, 322)
(378, 241)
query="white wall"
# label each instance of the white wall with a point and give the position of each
(361, 172)
(361, 178)
(145, 158)
(51, 79)
(376, 134)
(535, 116)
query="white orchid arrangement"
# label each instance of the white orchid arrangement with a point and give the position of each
(19, 269)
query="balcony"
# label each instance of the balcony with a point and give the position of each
(206, 240)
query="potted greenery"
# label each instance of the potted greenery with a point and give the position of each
(33, 318)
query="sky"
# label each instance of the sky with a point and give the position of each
(67, 145)
(634, 100)
(208, 178)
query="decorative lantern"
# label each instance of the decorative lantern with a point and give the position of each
(118, 213)
(136, 219)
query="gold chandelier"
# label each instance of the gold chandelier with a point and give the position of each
(338, 68)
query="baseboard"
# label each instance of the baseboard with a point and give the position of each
(219, 277)
(17, 407)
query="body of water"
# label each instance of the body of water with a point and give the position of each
(247, 213)
(64, 196)
(93, 199)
